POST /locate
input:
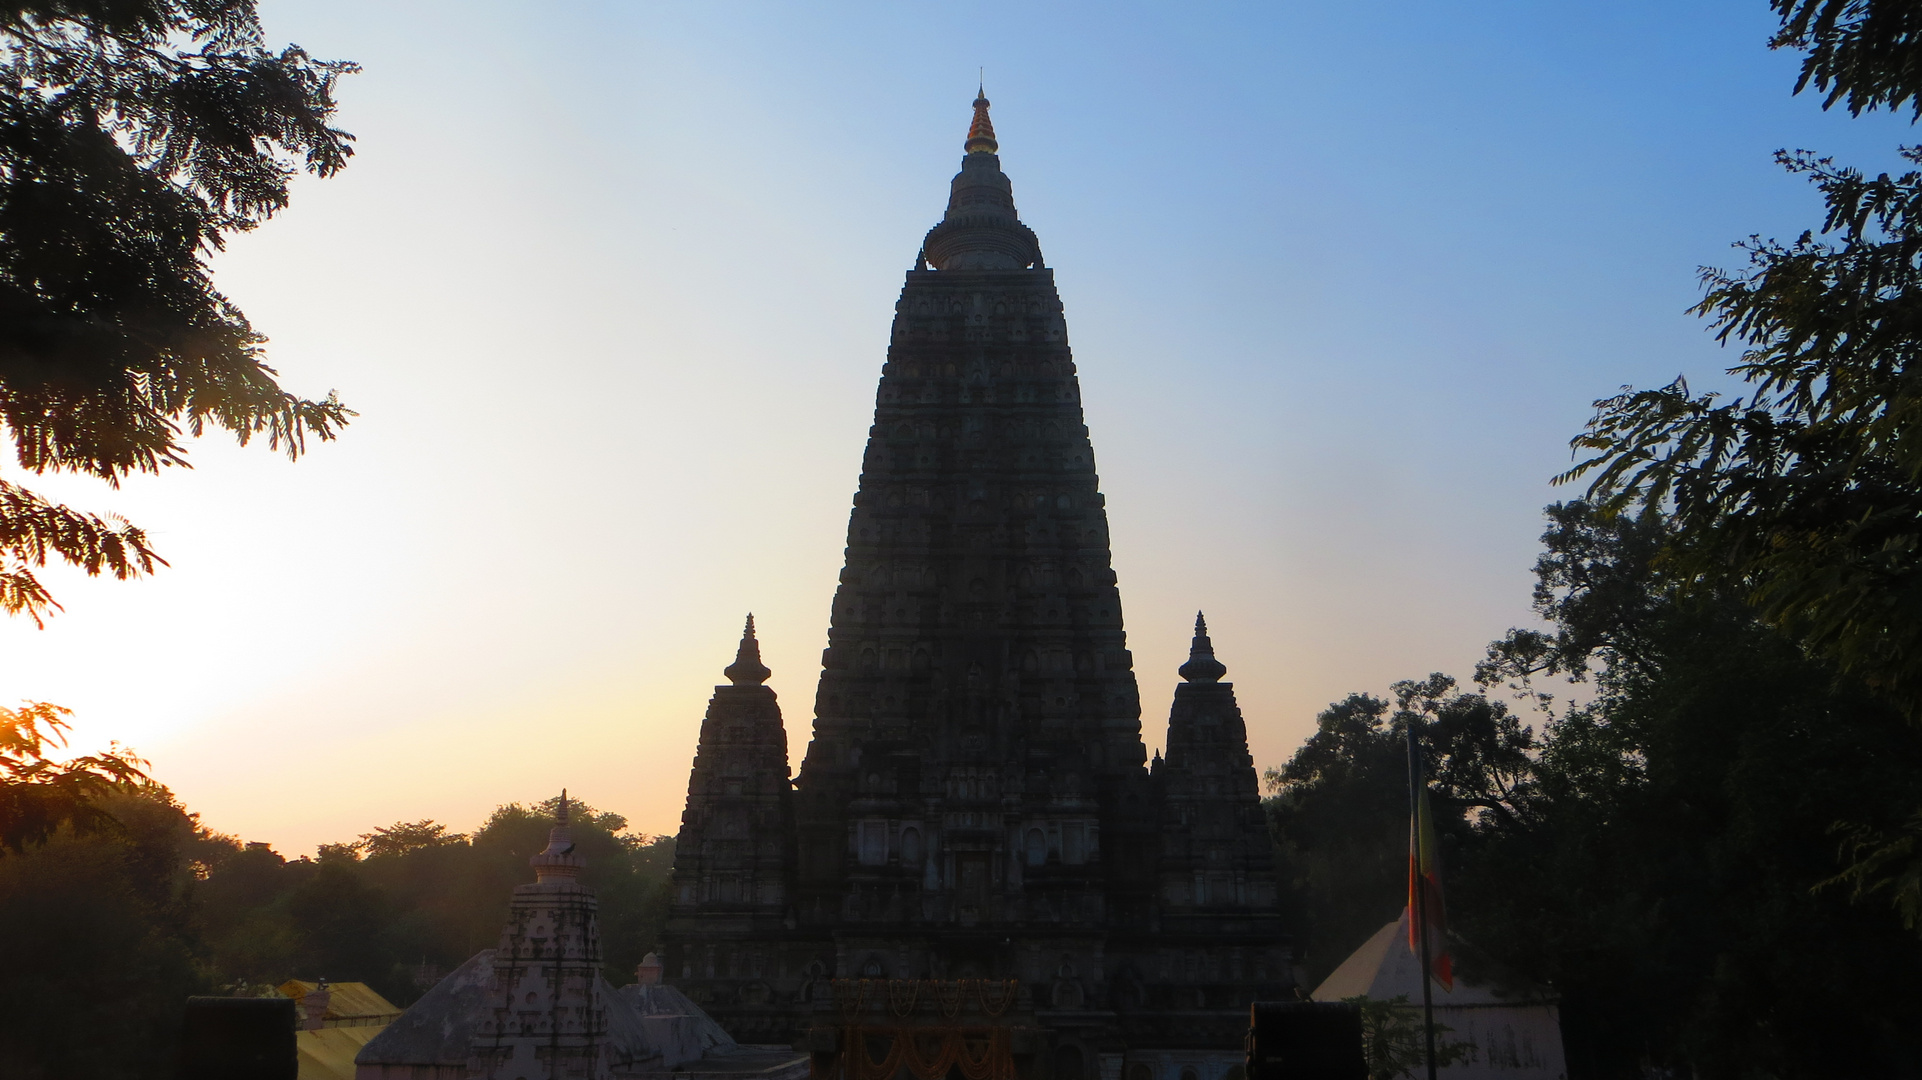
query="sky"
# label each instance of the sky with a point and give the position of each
(609, 285)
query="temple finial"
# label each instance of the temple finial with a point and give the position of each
(1202, 666)
(747, 669)
(558, 861)
(981, 132)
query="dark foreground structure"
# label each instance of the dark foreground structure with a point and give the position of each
(228, 1038)
(977, 851)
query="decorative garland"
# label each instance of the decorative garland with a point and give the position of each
(850, 990)
(895, 994)
(1009, 987)
(978, 1053)
(994, 996)
(950, 1003)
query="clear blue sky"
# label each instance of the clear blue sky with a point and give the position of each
(610, 285)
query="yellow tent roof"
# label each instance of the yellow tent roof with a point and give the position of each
(328, 1053)
(346, 1001)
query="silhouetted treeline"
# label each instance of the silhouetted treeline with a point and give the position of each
(1663, 852)
(109, 932)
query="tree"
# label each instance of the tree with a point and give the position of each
(126, 920)
(1667, 876)
(135, 134)
(1340, 822)
(1394, 1041)
(1885, 860)
(1866, 54)
(1339, 807)
(1657, 851)
(404, 836)
(102, 951)
(413, 900)
(1805, 495)
(38, 795)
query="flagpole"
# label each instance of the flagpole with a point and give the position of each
(1419, 902)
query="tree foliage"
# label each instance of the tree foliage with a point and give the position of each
(101, 951)
(1671, 886)
(1884, 862)
(126, 922)
(1663, 841)
(414, 899)
(38, 794)
(1339, 807)
(1805, 495)
(1864, 54)
(1394, 1042)
(404, 836)
(133, 135)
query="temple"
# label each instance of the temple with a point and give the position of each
(976, 867)
(537, 1006)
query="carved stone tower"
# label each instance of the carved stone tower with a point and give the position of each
(977, 729)
(975, 802)
(1216, 887)
(734, 857)
(546, 1020)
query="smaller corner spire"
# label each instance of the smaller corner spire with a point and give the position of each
(558, 861)
(747, 669)
(1202, 667)
(981, 132)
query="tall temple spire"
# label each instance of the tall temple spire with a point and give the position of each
(981, 230)
(974, 802)
(976, 779)
(747, 669)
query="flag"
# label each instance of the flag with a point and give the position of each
(1425, 894)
